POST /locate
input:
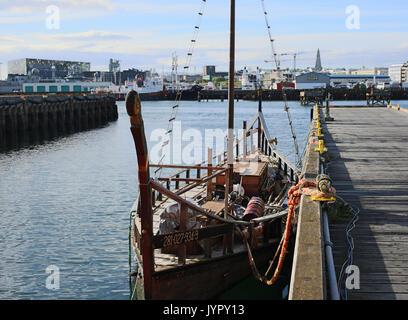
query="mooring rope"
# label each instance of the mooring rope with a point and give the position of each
(295, 193)
(350, 254)
(132, 290)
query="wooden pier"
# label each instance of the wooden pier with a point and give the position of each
(306, 97)
(28, 120)
(368, 148)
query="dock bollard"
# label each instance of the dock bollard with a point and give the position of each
(319, 130)
(321, 147)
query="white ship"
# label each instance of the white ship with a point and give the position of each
(149, 86)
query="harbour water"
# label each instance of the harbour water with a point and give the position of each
(65, 203)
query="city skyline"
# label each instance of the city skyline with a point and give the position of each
(144, 35)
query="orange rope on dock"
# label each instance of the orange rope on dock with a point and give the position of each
(295, 193)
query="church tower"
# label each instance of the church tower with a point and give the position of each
(318, 66)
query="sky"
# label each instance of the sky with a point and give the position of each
(144, 34)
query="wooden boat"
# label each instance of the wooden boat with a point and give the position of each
(207, 233)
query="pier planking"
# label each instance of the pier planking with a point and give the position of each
(370, 171)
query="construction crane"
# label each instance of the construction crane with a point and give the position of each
(277, 61)
(295, 59)
(287, 54)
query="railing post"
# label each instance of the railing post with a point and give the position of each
(198, 172)
(244, 135)
(209, 173)
(259, 132)
(266, 145)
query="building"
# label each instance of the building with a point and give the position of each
(351, 80)
(318, 65)
(114, 65)
(312, 80)
(47, 69)
(13, 83)
(47, 87)
(209, 71)
(398, 72)
(132, 74)
(365, 71)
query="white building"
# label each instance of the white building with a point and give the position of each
(373, 71)
(398, 72)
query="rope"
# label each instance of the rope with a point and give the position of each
(286, 107)
(295, 193)
(132, 290)
(175, 107)
(350, 255)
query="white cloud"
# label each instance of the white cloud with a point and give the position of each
(155, 49)
(29, 6)
(19, 11)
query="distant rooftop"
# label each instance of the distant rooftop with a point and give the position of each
(356, 76)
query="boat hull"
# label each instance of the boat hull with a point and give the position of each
(206, 279)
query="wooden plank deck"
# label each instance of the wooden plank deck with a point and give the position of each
(371, 172)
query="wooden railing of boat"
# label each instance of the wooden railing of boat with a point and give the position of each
(151, 191)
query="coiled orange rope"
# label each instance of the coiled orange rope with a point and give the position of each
(295, 194)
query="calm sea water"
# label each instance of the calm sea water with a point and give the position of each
(66, 203)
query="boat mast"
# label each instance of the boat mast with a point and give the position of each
(230, 132)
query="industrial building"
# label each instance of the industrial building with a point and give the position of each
(315, 80)
(312, 80)
(47, 69)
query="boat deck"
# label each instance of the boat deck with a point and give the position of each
(249, 168)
